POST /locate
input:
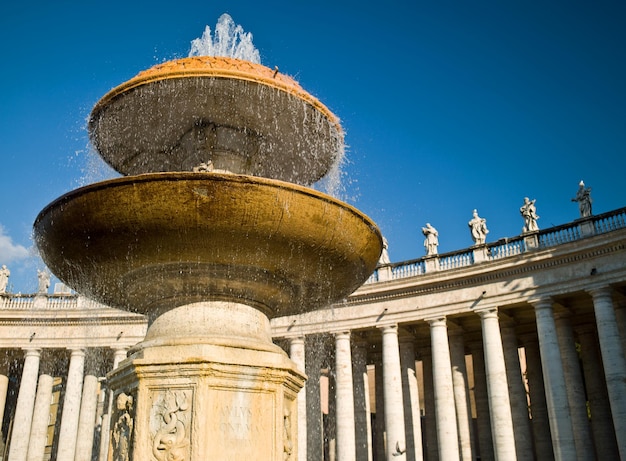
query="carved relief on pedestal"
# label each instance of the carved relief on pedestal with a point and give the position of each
(122, 430)
(170, 423)
(287, 443)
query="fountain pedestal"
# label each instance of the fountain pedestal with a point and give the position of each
(207, 381)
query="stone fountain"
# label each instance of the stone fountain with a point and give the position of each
(211, 231)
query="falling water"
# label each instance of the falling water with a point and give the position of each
(229, 40)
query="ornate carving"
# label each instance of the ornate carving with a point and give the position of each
(122, 436)
(171, 414)
(287, 443)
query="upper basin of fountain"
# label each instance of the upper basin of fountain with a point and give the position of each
(242, 117)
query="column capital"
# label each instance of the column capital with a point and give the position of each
(296, 340)
(389, 328)
(601, 292)
(487, 312)
(32, 351)
(439, 321)
(343, 334)
(543, 302)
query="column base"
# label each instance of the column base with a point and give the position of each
(206, 383)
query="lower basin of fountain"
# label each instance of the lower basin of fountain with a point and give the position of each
(152, 242)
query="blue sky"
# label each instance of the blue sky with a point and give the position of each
(447, 106)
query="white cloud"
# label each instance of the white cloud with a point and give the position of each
(9, 251)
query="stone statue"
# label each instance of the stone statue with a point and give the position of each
(384, 255)
(529, 213)
(123, 428)
(4, 278)
(478, 228)
(44, 282)
(583, 197)
(432, 239)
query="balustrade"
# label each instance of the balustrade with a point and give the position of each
(507, 247)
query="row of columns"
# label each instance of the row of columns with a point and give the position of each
(555, 426)
(32, 411)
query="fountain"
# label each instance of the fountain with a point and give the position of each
(212, 230)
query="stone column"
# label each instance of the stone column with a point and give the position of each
(540, 421)
(392, 389)
(41, 414)
(575, 388)
(71, 406)
(620, 316)
(483, 420)
(445, 413)
(497, 387)
(362, 409)
(314, 350)
(410, 393)
(24, 407)
(118, 356)
(430, 422)
(554, 379)
(344, 399)
(297, 354)
(379, 446)
(517, 391)
(461, 392)
(4, 387)
(613, 361)
(604, 438)
(87, 418)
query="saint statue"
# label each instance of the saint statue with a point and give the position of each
(478, 228)
(44, 282)
(529, 213)
(384, 255)
(583, 197)
(432, 239)
(4, 278)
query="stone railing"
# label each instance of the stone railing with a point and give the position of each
(503, 248)
(47, 302)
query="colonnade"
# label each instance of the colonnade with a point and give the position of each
(76, 429)
(553, 387)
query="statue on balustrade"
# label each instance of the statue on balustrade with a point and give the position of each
(4, 278)
(529, 213)
(44, 282)
(478, 228)
(583, 197)
(384, 255)
(432, 239)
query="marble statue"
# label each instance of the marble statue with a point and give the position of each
(4, 278)
(123, 428)
(478, 228)
(529, 213)
(432, 239)
(384, 255)
(44, 282)
(583, 197)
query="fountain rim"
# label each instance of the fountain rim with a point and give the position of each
(214, 67)
(212, 175)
